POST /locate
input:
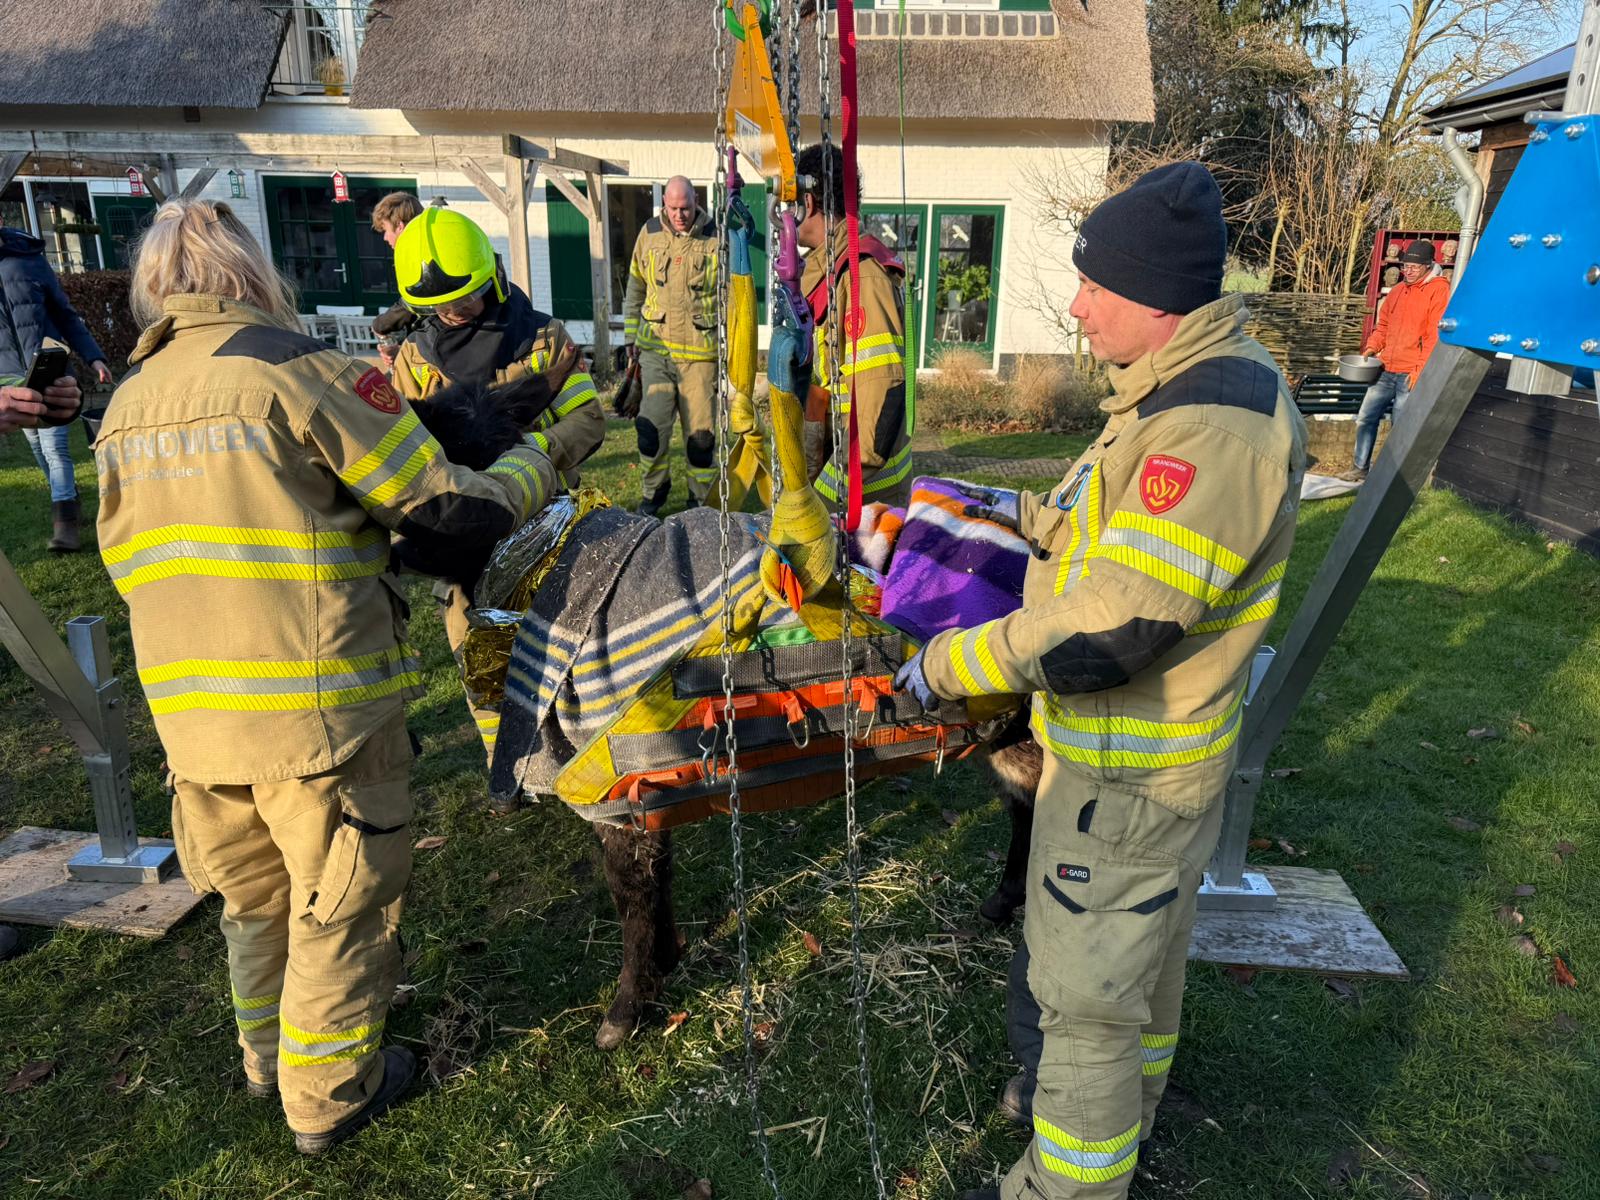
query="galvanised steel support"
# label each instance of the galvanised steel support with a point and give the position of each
(1446, 386)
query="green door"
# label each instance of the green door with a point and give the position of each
(121, 220)
(628, 207)
(902, 230)
(963, 301)
(329, 250)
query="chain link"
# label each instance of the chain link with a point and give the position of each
(837, 343)
(719, 193)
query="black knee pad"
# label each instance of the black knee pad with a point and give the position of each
(700, 449)
(649, 437)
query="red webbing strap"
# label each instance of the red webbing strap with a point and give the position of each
(849, 105)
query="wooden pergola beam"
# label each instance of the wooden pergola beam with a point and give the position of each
(194, 149)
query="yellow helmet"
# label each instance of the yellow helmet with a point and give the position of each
(442, 258)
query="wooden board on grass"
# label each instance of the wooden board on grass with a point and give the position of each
(35, 890)
(1318, 925)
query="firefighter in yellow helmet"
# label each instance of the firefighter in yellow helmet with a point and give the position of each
(249, 480)
(476, 328)
(669, 319)
(1156, 569)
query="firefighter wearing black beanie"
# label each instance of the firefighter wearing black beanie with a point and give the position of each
(1154, 573)
(1161, 243)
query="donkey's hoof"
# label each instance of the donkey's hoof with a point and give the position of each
(1000, 907)
(621, 1019)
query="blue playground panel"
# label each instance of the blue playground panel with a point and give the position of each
(1532, 287)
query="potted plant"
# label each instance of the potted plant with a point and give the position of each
(330, 71)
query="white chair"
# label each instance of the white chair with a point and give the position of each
(355, 334)
(320, 327)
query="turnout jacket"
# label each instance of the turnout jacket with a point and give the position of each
(249, 478)
(878, 369)
(671, 304)
(1408, 324)
(511, 339)
(1156, 568)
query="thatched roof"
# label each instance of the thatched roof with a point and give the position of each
(138, 53)
(583, 56)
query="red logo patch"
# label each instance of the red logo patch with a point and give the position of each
(378, 392)
(1164, 481)
(855, 323)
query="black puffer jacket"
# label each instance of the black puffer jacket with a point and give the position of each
(33, 306)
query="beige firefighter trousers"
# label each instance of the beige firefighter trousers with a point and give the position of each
(1112, 878)
(684, 392)
(311, 873)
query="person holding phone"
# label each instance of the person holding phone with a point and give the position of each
(33, 308)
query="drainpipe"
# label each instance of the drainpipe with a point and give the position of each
(1471, 208)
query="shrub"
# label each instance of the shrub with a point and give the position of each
(1047, 394)
(101, 299)
(1043, 393)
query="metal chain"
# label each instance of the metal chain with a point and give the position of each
(725, 561)
(836, 342)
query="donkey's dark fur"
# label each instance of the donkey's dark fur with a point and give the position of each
(475, 425)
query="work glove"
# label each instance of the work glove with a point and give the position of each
(994, 504)
(911, 678)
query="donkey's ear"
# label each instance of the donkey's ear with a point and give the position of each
(524, 398)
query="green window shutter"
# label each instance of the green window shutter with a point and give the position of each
(754, 196)
(571, 295)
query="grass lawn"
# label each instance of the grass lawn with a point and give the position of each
(1476, 1079)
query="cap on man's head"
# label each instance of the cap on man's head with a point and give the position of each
(1419, 251)
(1162, 242)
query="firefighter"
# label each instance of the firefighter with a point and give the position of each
(670, 322)
(872, 367)
(1156, 569)
(476, 328)
(249, 480)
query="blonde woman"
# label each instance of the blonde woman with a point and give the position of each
(249, 478)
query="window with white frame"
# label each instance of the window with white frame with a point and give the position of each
(320, 49)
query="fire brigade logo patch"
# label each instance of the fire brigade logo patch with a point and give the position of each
(378, 392)
(1071, 873)
(855, 323)
(1164, 481)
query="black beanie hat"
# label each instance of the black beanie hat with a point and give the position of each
(1161, 243)
(1419, 251)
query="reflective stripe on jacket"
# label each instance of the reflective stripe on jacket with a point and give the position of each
(249, 477)
(671, 303)
(1157, 565)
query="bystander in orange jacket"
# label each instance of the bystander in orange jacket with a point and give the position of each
(1408, 318)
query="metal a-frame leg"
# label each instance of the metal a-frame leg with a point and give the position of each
(81, 690)
(1431, 413)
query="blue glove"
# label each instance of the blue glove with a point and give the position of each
(789, 362)
(740, 225)
(910, 678)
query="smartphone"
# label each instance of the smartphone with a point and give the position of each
(48, 365)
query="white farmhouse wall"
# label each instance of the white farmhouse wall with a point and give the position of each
(987, 163)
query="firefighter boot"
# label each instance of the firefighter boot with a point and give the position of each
(64, 527)
(399, 1065)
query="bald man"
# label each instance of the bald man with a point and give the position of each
(670, 323)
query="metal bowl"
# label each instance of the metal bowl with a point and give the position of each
(1359, 368)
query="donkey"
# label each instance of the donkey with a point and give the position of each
(476, 424)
